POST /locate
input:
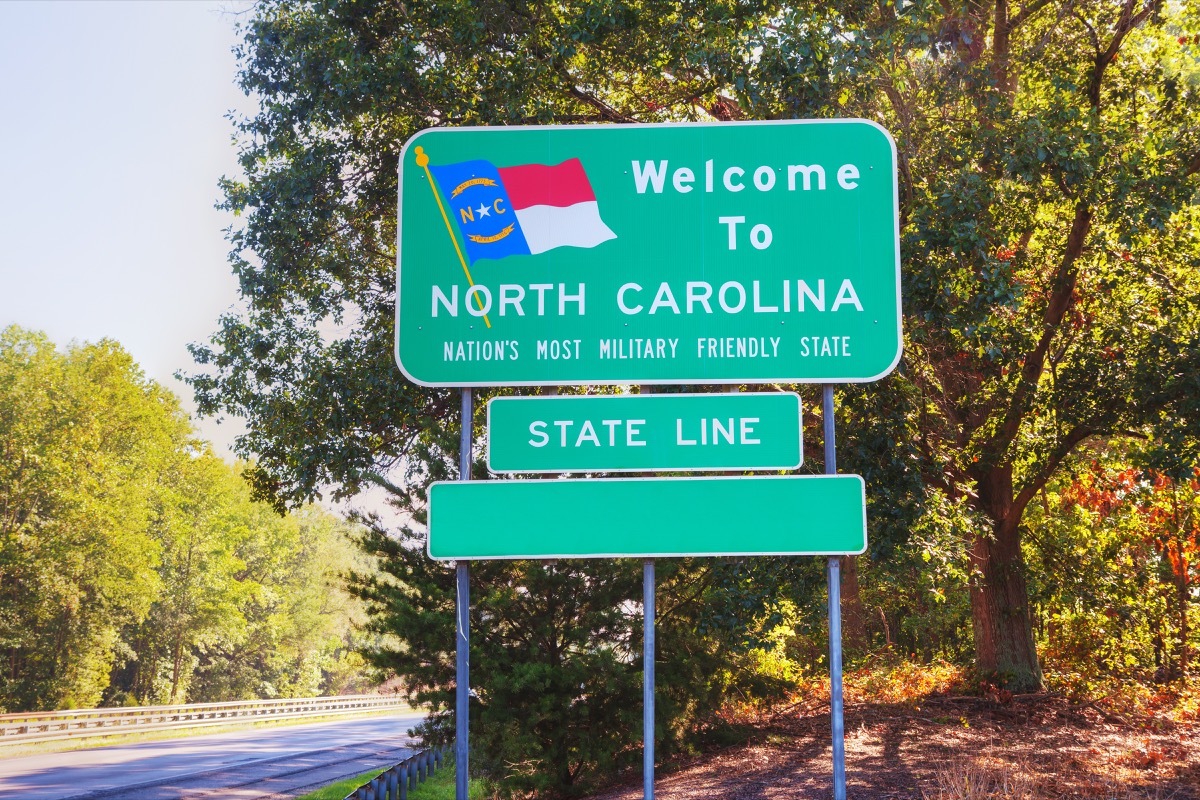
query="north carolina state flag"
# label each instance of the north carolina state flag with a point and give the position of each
(523, 210)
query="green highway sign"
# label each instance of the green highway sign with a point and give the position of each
(648, 517)
(654, 254)
(644, 432)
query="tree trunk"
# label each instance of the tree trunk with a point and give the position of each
(177, 662)
(1004, 649)
(854, 627)
(1182, 596)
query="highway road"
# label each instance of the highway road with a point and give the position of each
(247, 765)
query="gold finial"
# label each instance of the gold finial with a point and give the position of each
(422, 159)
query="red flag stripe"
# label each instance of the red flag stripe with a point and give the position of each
(560, 185)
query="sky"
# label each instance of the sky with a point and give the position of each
(114, 135)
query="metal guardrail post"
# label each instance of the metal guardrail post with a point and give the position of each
(397, 781)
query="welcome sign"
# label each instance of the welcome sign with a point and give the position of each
(658, 254)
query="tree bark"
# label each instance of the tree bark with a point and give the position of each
(854, 627)
(1004, 649)
(1182, 597)
(177, 662)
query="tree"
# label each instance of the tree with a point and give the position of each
(1048, 157)
(1159, 520)
(130, 555)
(252, 603)
(82, 436)
(299, 634)
(200, 537)
(556, 654)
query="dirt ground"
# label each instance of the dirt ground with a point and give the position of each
(948, 748)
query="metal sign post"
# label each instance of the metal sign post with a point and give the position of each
(834, 577)
(462, 656)
(564, 256)
(648, 679)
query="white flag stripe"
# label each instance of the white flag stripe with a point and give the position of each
(547, 227)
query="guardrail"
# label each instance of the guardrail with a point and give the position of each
(84, 723)
(396, 782)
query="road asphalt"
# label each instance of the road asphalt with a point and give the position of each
(253, 764)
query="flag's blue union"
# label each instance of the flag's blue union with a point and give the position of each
(521, 210)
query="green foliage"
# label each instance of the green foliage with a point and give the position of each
(438, 787)
(134, 567)
(254, 607)
(555, 657)
(339, 790)
(920, 593)
(1115, 559)
(1048, 161)
(81, 436)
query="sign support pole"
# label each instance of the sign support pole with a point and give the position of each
(833, 573)
(648, 679)
(462, 656)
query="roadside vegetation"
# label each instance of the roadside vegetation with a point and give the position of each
(1031, 464)
(926, 732)
(135, 567)
(1027, 617)
(438, 787)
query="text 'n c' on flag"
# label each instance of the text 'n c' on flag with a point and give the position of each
(521, 210)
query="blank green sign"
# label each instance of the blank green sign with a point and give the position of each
(640, 517)
(648, 432)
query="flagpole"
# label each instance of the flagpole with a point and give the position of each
(423, 163)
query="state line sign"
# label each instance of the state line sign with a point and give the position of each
(645, 432)
(654, 254)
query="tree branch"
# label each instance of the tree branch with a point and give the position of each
(1193, 166)
(1025, 13)
(385, 484)
(1001, 28)
(1079, 434)
(700, 587)
(1125, 23)
(1062, 288)
(606, 111)
(1063, 285)
(1095, 37)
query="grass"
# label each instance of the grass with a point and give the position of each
(971, 780)
(439, 787)
(92, 742)
(336, 791)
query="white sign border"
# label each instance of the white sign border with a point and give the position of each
(652, 382)
(862, 485)
(643, 397)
